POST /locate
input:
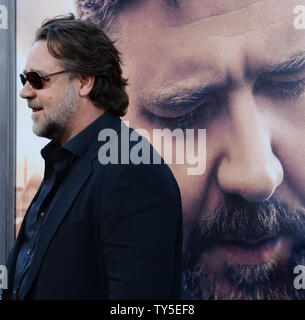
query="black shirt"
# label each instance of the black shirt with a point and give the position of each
(57, 162)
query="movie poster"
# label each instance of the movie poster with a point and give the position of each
(222, 83)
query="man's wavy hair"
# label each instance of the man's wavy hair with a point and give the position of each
(84, 49)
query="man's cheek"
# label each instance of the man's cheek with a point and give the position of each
(292, 158)
(298, 182)
(192, 196)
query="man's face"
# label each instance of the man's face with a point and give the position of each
(237, 69)
(55, 104)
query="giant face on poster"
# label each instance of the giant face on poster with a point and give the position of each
(236, 69)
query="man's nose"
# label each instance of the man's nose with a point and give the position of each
(27, 92)
(248, 166)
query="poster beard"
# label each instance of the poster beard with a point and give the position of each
(237, 219)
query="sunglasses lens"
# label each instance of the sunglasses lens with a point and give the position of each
(23, 79)
(34, 80)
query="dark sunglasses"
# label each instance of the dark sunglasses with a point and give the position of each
(35, 79)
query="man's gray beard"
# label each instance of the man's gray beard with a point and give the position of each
(258, 282)
(53, 123)
(246, 282)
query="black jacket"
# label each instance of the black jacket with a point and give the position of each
(112, 232)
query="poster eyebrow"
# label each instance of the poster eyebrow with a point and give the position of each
(180, 98)
(293, 64)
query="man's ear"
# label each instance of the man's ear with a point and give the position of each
(86, 85)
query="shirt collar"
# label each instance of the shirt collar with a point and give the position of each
(80, 143)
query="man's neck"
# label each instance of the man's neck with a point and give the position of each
(81, 120)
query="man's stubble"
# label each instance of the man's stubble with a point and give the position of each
(236, 218)
(54, 122)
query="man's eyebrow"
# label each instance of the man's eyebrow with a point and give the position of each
(35, 70)
(180, 98)
(290, 66)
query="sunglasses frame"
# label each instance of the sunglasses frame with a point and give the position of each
(24, 78)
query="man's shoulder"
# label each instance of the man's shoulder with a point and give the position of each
(121, 147)
(126, 152)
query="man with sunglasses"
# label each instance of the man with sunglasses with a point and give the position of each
(92, 231)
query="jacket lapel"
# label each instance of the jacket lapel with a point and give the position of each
(62, 203)
(11, 262)
(57, 211)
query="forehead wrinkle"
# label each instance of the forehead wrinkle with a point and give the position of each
(245, 32)
(179, 17)
(254, 19)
